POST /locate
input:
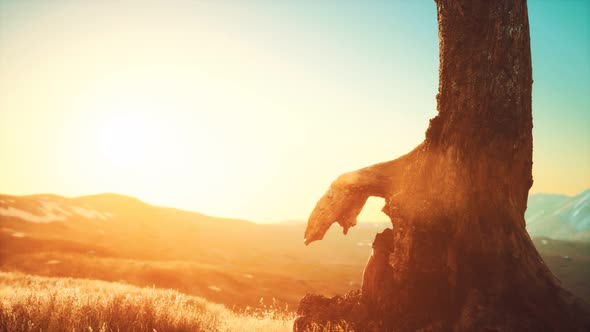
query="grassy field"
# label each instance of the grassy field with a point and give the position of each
(231, 262)
(31, 303)
(141, 250)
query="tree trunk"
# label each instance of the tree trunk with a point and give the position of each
(458, 256)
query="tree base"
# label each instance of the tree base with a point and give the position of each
(379, 307)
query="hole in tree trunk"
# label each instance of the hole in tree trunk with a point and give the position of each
(371, 212)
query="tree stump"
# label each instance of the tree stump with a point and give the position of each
(458, 257)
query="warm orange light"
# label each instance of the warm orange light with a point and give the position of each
(124, 141)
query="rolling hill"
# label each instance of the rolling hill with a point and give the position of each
(117, 238)
(121, 239)
(559, 216)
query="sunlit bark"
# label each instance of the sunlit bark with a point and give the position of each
(459, 256)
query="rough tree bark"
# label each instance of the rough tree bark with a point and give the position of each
(458, 256)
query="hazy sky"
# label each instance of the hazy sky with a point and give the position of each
(250, 109)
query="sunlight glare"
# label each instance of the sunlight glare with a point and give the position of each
(124, 141)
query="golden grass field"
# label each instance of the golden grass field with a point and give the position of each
(31, 303)
(150, 268)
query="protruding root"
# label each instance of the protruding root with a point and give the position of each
(340, 205)
(347, 196)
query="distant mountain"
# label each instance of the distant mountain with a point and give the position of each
(559, 216)
(236, 262)
(119, 238)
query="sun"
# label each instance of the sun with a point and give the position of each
(131, 131)
(165, 146)
(124, 140)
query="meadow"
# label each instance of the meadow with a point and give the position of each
(149, 268)
(32, 303)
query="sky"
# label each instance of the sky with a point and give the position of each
(251, 109)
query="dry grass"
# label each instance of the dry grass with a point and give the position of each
(31, 303)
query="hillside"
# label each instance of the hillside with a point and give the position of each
(117, 238)
(559, 216)
(234, 262)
